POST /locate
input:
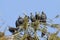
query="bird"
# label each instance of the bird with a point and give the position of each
(42, 34)
(37, 16)
(19, 21)
(43, 17)
(32, 18)
(13, 30)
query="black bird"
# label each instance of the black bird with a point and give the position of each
(13, 30)
(42, 34)
(43, 17)
(19, 21)
(37, 16)
(32, 18)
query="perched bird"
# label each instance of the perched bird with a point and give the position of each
(37, 16)
(13, 30)
(19, 21)
(32, 18)
(42, 34)
(44, 31)
(43, 17)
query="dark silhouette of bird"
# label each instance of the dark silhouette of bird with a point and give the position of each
(19, 21)
(37, 16)
(42, 34)
(43, 17)
(13, 30)
(32, 18)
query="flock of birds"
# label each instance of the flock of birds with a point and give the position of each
(32, 18)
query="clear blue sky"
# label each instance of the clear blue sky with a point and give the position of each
(11, 9)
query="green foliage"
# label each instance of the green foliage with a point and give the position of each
(54, 37)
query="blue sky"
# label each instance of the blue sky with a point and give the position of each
(11, 9)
